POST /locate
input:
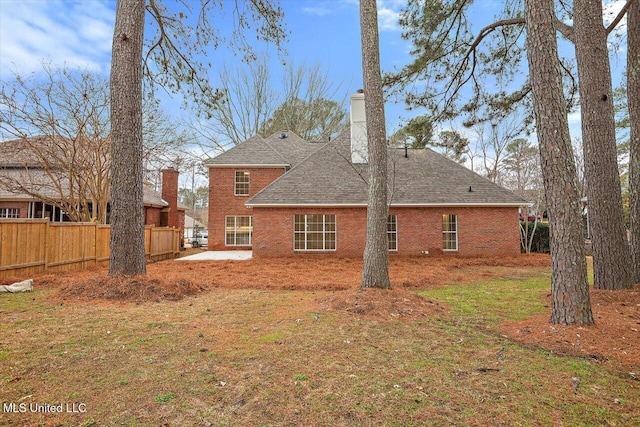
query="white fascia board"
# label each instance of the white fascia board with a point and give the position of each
(460, 205)
(305, 205)
(393, 205)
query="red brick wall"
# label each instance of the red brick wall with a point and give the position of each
(170, 195)
(223, 202)
(481, 231)
(23, 206)
(152, 216)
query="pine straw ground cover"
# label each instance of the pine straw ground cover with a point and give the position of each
(295, 342)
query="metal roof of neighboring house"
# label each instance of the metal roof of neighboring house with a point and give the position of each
(423, 178)
(284, 149)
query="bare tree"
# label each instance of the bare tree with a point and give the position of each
(375, 273)
(570, 302)
(491, 143)
(312, 105)
(247, 100)
(60, 122)
(166, 143)
(61, 118)
(169, 62)
(309, 104)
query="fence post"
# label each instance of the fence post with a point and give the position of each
(47, 231)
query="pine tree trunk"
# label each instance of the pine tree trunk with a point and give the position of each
(569, 286)
(375, 273)
(127, 209)
(633, 96)
(611, 254)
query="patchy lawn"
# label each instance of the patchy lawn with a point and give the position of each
(296, 342)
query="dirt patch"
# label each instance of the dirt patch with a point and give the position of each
(614, 336)
(382, 304)
(136, 289)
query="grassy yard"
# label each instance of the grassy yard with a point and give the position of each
(287, 357)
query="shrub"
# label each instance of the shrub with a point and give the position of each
(540, 241)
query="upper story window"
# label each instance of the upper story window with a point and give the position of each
(450, 232)
(9, 213)
(241, 183)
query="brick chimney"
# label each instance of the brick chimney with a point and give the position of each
(170, 195)
(359, 144)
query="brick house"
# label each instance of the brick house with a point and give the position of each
(20, 171)
(283, 196)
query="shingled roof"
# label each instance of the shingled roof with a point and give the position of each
(423, 178)
(285, 149)
(21, 166)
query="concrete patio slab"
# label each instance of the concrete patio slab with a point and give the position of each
(218, 256)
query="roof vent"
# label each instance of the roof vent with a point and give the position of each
(283, 135)
(470, 189)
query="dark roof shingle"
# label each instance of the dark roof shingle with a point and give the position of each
(423, 178)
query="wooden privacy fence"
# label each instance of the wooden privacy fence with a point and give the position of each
(31, 246)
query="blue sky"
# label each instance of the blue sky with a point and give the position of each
(78, 34)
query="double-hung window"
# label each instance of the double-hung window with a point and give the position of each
(450, 232)
(238, 230)
(241, 183)
(314, 233)
(392, 232)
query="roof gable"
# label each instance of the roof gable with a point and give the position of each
(423, 178)
(275, 150)
(253, 151)
(324, 178)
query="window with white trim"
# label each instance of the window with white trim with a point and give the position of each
(450, 232)
(9, 212)
(392, 232)
(241, 183)
(238, 230)
(314, 233)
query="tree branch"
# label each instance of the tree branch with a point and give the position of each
(620, 15)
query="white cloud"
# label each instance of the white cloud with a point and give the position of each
(388, 19)
(318, 11)
(75, 34)
(388, 12)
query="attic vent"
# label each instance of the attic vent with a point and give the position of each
(283, 135)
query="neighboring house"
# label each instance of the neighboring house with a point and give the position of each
(281, 196)
(192, 225)
(195, 232)
(22, 176)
